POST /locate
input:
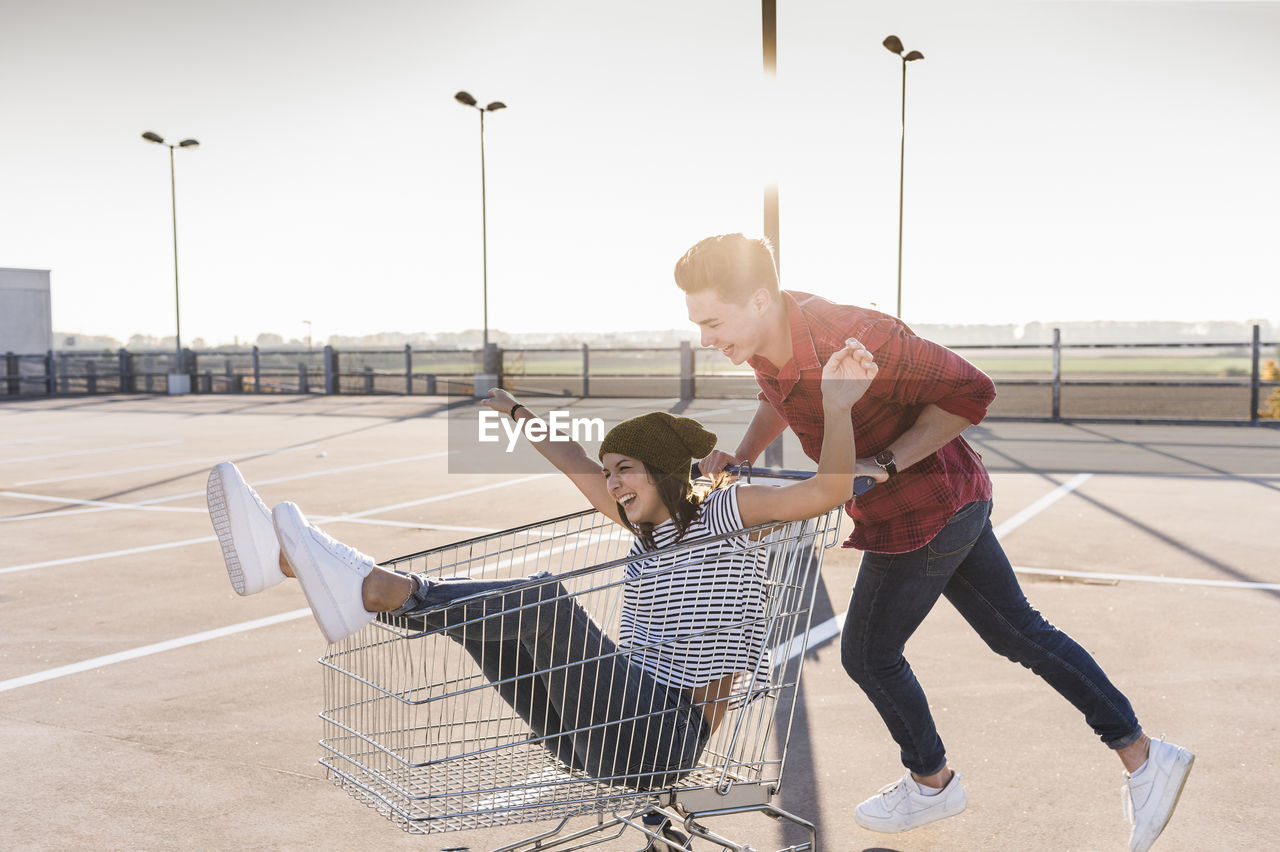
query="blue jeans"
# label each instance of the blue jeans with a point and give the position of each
(965, 563)
(581, 696)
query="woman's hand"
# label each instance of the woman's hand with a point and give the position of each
(500, 401)
(847, 375)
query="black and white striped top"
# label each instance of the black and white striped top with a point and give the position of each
(692, 616)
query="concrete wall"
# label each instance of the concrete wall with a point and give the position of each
(26, 315)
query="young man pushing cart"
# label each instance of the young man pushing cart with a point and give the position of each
(925, 529)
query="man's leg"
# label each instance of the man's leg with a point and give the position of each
(985, 591)
(891, 597)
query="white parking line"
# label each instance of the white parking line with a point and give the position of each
(146, 650)
(11, 441)
(143, 504)
(107, 504)
(1020, 518)
(1143, 578)
(92, 452)
(354, 517)
(111, 554)
(207, 459)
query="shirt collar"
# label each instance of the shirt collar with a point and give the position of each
(804, 355)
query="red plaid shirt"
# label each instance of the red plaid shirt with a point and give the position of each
(906, 512)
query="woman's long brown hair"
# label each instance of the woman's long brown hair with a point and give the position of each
(680, 498)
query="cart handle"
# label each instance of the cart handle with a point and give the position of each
(861, 484)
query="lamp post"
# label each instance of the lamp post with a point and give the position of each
(467, 100)
(173, 197)
(894, 45)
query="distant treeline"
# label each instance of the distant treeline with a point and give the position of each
(1102, 331)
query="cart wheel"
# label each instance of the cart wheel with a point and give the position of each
(672, 841)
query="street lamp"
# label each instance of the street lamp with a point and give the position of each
(894, 45)
(173, 195)
(467, 100)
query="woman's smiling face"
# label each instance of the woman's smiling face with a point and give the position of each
(630, 484)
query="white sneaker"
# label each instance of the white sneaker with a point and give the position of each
(243, 524)
(331, 573)
(1149, 798)
(901, 806)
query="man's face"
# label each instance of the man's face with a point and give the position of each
(736, 330)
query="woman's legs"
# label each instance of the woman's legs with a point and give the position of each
(617, 719)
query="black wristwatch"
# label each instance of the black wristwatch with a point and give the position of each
(885, 460)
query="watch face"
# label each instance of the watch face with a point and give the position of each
(884, 458)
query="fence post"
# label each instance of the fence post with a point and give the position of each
(1057, 375)
(49, 377)
(1255, 384)
(431, 384)
(408, 369)
(91, 376)
(773, 453)
(330, 370)
(368, 380)
(12, 370)
(257, 371)
(65, 377)
(586, 370)
(304, 385)
(686, 371)
(235, 382)
(122, 367)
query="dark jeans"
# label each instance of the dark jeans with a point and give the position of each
(593, 708)
(965, 563)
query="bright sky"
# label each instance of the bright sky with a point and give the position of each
(1064, 160)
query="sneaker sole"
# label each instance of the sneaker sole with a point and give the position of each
(221, 517)
(889, 829)
(1173, 805)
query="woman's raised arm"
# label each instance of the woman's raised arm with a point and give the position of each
(567, 455)
(845, 378)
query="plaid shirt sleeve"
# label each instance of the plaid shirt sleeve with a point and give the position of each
(915, 372)
(906, 512)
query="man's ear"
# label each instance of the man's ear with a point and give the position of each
(760, 300)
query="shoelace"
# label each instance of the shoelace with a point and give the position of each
(1126, 803)
(352, 557)
(889, 789)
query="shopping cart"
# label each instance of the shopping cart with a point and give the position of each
(415, 730)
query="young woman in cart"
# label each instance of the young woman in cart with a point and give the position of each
(641, 717)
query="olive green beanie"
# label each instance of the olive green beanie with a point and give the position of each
(663, 441)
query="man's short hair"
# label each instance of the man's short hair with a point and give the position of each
(733, 265)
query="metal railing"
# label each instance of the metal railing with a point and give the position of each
(1052, 382)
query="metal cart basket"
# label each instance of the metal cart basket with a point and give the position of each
(415, 729)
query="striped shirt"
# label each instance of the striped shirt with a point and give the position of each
(695, 615)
